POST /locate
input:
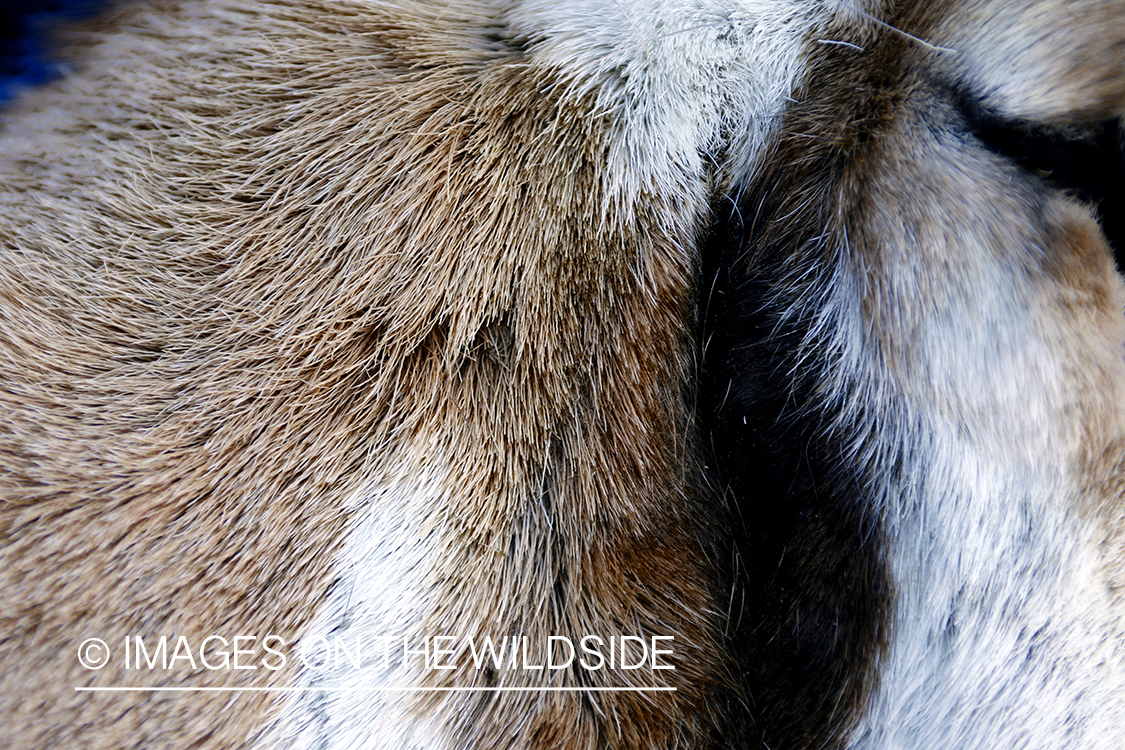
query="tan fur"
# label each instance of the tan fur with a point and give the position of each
(272, 277)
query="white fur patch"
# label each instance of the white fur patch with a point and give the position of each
(1003, 633)
(683, 81)
(1001, 637)
(382, 593)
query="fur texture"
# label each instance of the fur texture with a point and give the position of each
(715, 320)
(927, 341)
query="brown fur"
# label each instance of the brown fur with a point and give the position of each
(238, 291)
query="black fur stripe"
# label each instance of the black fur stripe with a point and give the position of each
(814, 602)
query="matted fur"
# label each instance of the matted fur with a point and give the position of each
(323, 317)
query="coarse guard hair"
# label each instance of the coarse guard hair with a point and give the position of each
(569, 375)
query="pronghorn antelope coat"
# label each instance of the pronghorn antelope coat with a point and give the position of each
(714, 326)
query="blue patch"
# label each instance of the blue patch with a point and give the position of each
(26, 55)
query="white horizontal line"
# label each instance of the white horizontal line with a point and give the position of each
(376, 689)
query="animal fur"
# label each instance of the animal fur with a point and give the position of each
(704, 319)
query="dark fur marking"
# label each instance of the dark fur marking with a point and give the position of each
(815, 588)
